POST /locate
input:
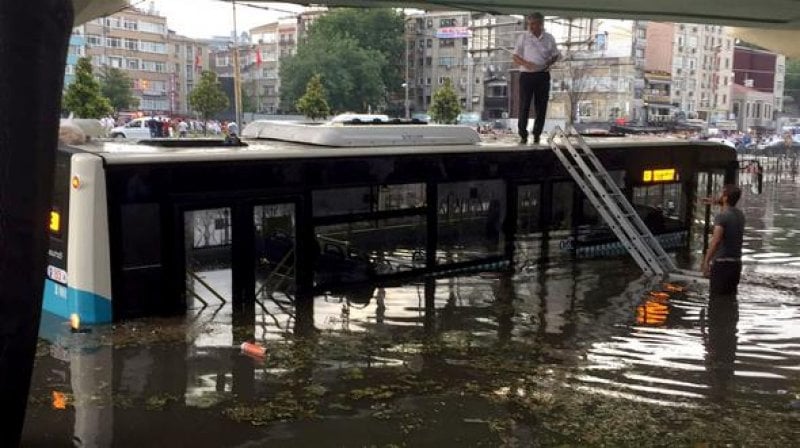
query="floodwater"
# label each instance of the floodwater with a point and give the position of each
(564, 353)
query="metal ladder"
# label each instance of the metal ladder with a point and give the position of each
(606, 197)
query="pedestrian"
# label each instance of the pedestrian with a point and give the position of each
(183, 129)
(233, 129)
(153, 125)
(535, 53)
(723, 261)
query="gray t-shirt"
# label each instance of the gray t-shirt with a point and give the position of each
(732, 222)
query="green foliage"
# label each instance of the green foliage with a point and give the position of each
(445, 107)
(207, 97)
(313, 104)
(250, 97)
(116, 86)
(83, 97)
(792, 85)
(352, 73)
(380, 29)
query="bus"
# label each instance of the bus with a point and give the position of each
(150, 227)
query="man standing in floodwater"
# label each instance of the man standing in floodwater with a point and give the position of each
(723, 261)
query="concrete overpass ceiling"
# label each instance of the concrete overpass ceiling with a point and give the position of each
(774, 24)
(746, 13)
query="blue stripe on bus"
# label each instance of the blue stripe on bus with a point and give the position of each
(63, 301)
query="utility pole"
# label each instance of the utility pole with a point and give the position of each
(237, 82)
(408, 106)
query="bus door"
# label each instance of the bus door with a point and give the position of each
(239, 252)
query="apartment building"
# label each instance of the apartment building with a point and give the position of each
(188, 58)
(439, 49)
(702, 71)
(761, 70)
(137, 42)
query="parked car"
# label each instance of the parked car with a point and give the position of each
(135, 129)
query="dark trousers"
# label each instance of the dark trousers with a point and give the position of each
(536, 86)
(725, 277)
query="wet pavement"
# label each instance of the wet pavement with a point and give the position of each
(567, 353)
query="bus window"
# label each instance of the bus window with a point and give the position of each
(529, 205)
(561, 217)
(471, 218)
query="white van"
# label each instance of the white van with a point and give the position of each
(135, 129)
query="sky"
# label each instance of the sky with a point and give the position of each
(207, 18)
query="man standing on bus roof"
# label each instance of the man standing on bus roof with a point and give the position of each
(535, 52)
(723, 261)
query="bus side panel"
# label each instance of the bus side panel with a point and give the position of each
(88, 261)
(55, 285)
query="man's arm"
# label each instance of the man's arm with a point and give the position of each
(716, 240)
(527, 64)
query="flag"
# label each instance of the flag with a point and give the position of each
(198, 63)
(258, 57)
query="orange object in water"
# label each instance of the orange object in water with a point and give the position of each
(659, 295)
(673, 288)
(252, 349)
(59, 400)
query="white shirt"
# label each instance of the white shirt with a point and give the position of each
(538, 50)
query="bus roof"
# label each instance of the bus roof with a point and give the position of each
(127, 153)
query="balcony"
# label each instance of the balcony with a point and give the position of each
(656, 99)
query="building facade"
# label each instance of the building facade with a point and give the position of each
(136, 42)
(76, 50)
(753, 109)
(601, 75)
(188, 58)
(439, 46)
(658, 74)
(761, 70)
(702, 71)
(492, 39)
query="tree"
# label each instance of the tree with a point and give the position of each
(575, 76)
(352, 74)
(379, 29)
(313, 104)
(793, 79)
(250, 97)
(116, 86)
(83, 97)
(207, 98)
(445, 107)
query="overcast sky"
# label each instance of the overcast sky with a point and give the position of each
(206, 18)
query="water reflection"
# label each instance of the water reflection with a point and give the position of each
(720, 340)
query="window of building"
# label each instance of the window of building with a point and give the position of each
(150, 27)
(447, 22)
(130, 24)
(428, 81)
(113, 22)
(115, 62)
(152, 47)
(429, 43)
(132, 64)
(447, 43)
(93, 40)
(447, 61)
(585, 109)
(428, 60)
(727, 64)
(131, 44)
(113, 42)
